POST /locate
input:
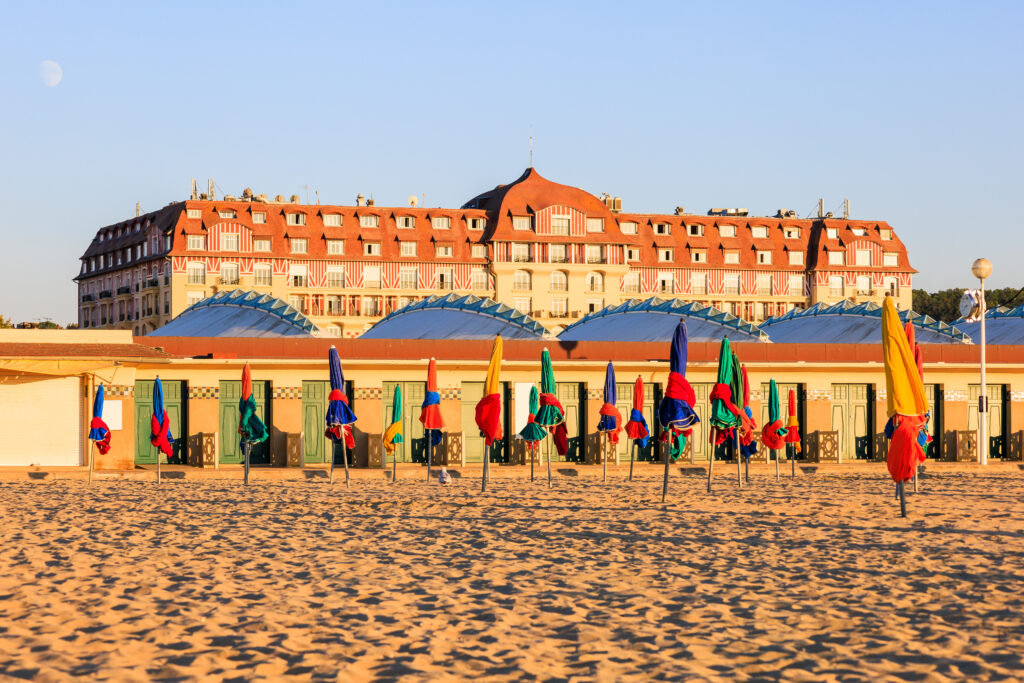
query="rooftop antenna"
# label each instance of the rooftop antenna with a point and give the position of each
(846, 208)
(307, 193)
(195, 189)
(317, 193)
(209, 188)
(821, 208)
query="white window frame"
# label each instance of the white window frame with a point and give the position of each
(259, 242)
(662, 228)
(836, 258)
(595, 225)
(559, 281)
(226, 237)
(699, 256)
(522, 281)
(194, 243)
(407, 249)
(796, 258)
(336, 247)
(564, 224)
(726, 230)
(890, 259)
(332, 220)
(479, 279)
(764, 258)
(408, 278)
(371, 248)
(369, 220)
(405, 222)
(441, 223)
(731, 256)
(260, 270)
(832, 233)
(791, 232)
(259, 217)
(335, 277)
(524, 223)
(665, 255)
(195, 273)
(632, 253)
(759, 232)
(191, 213)
(628, 227)
(475, 223)
(862, 257)
(478, 251)
(444, 250)
(229, 274)
(796, 285)
(295, 218)
(298, 245)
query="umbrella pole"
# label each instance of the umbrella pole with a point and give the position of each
(245, 453)
(775, 453)
(332, 461)
(791, 454)
(664, 481)
(916, 465)
(632, 450)
(344, 455)
(394, 466)
(736, 444)
(483, 477)
(711, 459)
(529, 454)
(604, 459)
(549, 464)
(430, 454)
(903, 499)
(158, 466)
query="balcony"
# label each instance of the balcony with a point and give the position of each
(558, 259)
(88, 297)
(520, 258)
(106, 294)
(154, 282)
(597, 259)
(124, 290)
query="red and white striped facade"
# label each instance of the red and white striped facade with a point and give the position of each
(385, 257)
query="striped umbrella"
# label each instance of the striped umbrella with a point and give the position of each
(251, 429)
(907, 404)
(339, 416)
(393, 434)
(98, 430)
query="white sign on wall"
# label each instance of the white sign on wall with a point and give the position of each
(112, 415)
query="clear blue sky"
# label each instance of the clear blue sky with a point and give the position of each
(912, 110)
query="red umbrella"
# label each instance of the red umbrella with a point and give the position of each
(636, 428)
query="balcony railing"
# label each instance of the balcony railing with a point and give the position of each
(124, 290)
(597, 259)
(106, 294)
(87, 297)
(520, 258)
(559, 259)
(154, 282)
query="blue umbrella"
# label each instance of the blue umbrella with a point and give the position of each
(98, 430)
(160, 425)
(339, 414)
(676, 409)
(611, 419)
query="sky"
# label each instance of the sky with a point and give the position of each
(911, 110)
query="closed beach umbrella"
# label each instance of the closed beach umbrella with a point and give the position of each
(430, 410)
(773, 433)
(724, 413)
(907, 405)
(551, 413)
(793, 424)
(393, 434)
(339, 416)
(748, 425)
(251, 429)
(611, 419)
(159, 425)
(636, 427)
(98, 430)
(532, 433)
(488, 409)
(675, 412)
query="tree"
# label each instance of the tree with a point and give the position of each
(5, 324)
(944, 305)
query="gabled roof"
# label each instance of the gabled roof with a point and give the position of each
(847, 322)
(456, 317)
(655, 319)
(239, 313)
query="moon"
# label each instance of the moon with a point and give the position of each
(50, 72)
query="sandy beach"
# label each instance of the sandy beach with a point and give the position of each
(816, 578)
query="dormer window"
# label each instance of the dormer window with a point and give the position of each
(369, 221)
(860, 232)
(295, 218)
(699, 256)
(560, 225)
(727, 230)
(227, 213)
(696, 230)
(441, 223)
(406, 222)
(731, 256)
(194, 213)
(885, 233)
(764, 258)
(332, 220)
(522, 223)
(627, 227)
(832, 233)
(759, 231)
(475, 223)
(665, 255)
(791, 233)
(662, 229)
(595, 225)
(259, 217)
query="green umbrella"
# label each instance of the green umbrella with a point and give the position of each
(533, 432)
(550, 413)
(393, 434)
(721, 416)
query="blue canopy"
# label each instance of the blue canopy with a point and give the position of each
(239, 313)
(456, 316)
(1002, 326)
(847, 322)
(655, 319)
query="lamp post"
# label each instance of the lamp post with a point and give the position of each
(981, 269)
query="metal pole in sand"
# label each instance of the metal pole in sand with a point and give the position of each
(430, 454)
(245, 453)
(739, 473)
(487, 459)
(530, 454)
(916, 465)
(664, 482)
(344, 455)
(775, 453)
(549, 465)
(632, 450)
(604, 459)
(332, 458)
(711, 460)
(791, 454)
(903, 500)
(158, 466)
(394, 466)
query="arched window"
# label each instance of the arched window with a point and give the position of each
(522, 281)
(595, 282)
(559, 281)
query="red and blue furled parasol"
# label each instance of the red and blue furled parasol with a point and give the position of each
(675, 412)
(339, 415)
(636, 428)
(611, 418)
(98, 430)
(488, 408)
(160, 425)
(748, 426)
(430, 410)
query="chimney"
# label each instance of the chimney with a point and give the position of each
(138, 209)
(359, 199)
(821, 208)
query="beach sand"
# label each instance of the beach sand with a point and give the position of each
(816, 578)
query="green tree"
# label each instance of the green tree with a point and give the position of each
(5, 324)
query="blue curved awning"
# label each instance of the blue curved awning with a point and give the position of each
(655, 319)
(456, 316)
(847, 322)
(1002, 326)
(238, 313)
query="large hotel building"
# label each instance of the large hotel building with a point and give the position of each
(553, 251)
